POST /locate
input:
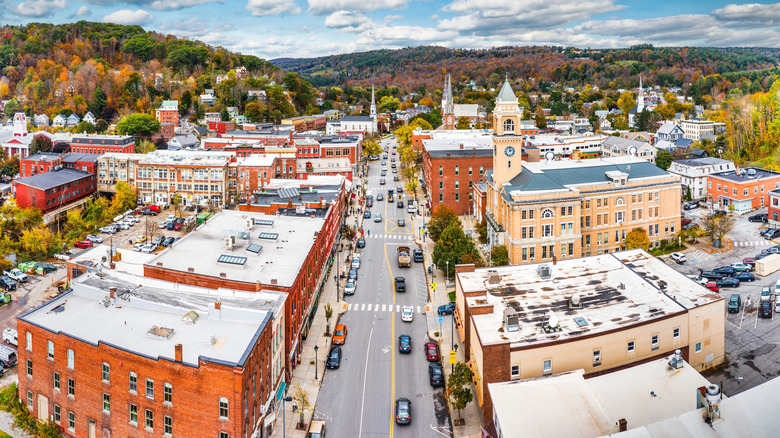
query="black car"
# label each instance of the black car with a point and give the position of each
(773, 235)
(334, 358)
(710, 275)
(399, 204)
(400, 284)
(403, 411)
(405, 344)
(171, 224)
(745, 276)
(765, 309)
(728, 282)
(691, 206)
(761, 256)
(436, 374)
(772, 250)
(7, 284)
(168, 241)
(719, 213)
(399, 189)
(369, 202)
(418, 255)
(725, 271)
(361, 243)
(759, 217)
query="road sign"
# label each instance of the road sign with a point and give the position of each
(441, 319)
(433, 285)
(452, 360)
(452, 353)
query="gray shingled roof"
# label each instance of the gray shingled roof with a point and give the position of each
(506, 94)
(55, 178)
(622, 143)
(356, 119)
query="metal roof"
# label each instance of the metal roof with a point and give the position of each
(288, 192)
(55, 178)
(558, 178)
(506, 94)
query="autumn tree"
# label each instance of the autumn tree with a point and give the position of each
(371, 147)
(61, 147)
(717, 226)
(125, 198)
(144, 147)
(637, 238)
(441, 218)
(40, 143)
(499, 256)
(463, 123)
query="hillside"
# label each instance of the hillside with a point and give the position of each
(112, 69)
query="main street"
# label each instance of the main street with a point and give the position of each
(358, 399)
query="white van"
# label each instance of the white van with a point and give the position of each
(9, 336)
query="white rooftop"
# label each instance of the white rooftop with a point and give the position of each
(132, 262)
(187, 158)
(447, 134)
(259, 160)
(568, 405)
(617, 290)
(225, 335)
(542, 165)
(467, 143)
(552, 139)
(285, 245)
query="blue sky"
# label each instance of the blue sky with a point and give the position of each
(307, 28)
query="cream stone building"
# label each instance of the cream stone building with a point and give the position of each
(543, 208)
(600, 314)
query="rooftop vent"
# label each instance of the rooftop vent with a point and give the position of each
(190, 317)
(676, 361)
(575, 302)
(493, 277)
(545, 272)
(511, 320)
(161, 332)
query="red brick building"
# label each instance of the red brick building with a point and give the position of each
(168, 116)
(108, 365)
(53, 190)
(253, 174)
(80, 161)
(103, 144)
(222, 127)
(774, 206)
(306, 123)
(451, 167)
(745, 189)
(38, 163)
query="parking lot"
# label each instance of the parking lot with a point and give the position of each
(148, 226)
(751, 342)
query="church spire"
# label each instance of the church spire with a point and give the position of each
(450, 105)
(640, 99)
(373, 103)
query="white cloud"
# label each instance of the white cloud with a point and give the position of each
(677, 28)
(175, 5)
(347, 20)
(401, 36)
(128, 17)
(83, 11)
(260, 8)
(322, 7)
(39, 8)
(749, 13)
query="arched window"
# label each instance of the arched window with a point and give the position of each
(547, 214)
(620, 201)
(509, 125)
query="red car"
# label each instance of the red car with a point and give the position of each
(749, 261)
(177, 227)
(153, 207)
(685, 221)
(431, 352)
(83, 244)
(712, 286)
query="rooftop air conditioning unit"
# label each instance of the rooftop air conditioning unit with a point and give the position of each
(230, 242)
(250, 223)
(545, 272)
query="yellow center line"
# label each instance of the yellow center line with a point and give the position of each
(392, 346)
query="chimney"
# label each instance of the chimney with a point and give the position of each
(222, 275)
(273, 281)
(190, 269)
(218, 305)
(555, 260)
(622, 425)
(461, 145)
(178, 354)
(113, 292)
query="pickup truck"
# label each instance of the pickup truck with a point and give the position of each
(16, 274)
(404, 257)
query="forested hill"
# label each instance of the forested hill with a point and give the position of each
(425, 66)
(84, 66)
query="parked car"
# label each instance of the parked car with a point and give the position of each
(750, 261)
(122, 225)
(765, 231)
(378, 217)
(158, 240)
(170, 225)
(773, 235)
(728, 282)
(16, 275)
(8, 357)
(725, 270)
(140, 239)
(405, 344)
(741, 267)
(685, 221)
(432, 351)
(107, 230)
(678, 257)
(369, 203)
(340, 334)
(403, 411)
(719, 213)
(361, 243)
(710, 275)
(766, 294)
(164, 224)
(436, 374)
(138, 246)
(446, 309)
(334, 358)
(777, 306)
(168, 241)
(9, 336)
(7, 284)
(765, 310)
(712, 286)
(356, 261)
(771, 250)
(745, 276)
(94, 239)
(761, 256)
(407, 313)
(759, 217)
(735, 303)
(691, 206)
(349, 289)
(400, 284)
(149, 248)
(83, 244)
(367, 214)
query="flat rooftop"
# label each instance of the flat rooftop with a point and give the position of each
(132, 262)
(54, 178)
(568, 405)
(746, 174)
(187, 158)
(616, 290)
(285, 242)
(141, 304)
(552, 139)
(459, 147)
(699, 162)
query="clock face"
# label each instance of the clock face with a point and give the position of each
(509, 151)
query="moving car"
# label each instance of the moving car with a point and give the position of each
(367, 214)
(369, 202)
(382, 181)
(380, 197)
(401, 223)
(735, 303)
(418, 255)
(405, 344)
(83, 244)
(431, 352)
(334, 358)
(436, 374)
(403, 411)
(407, 313)
(396, 178)
(340, 334)
(378, 217)
(691, 206)
(759, 217)
(678, 257)
(400, 284)
(728, 282)
(399, 204)
(447, 309)
(361, 242)
(745, 276)
(349, 289)
(94, 239)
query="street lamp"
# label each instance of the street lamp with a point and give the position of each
(452, 335)
(315, 361)
(284, 417)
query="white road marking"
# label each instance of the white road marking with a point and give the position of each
(365, 375)
(383, 307)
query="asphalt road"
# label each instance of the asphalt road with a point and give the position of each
(358, 399)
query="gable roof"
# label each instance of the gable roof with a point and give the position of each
(668, 128)
(623, 143)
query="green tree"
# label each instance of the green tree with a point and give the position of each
(663, 159)
(142, 125)
(84, 127)
(11, 108)
(144, 147)
(453, 248)
(40, 143)
(224, 115)
(101, 126)
(481, 228)
(254, 111)
(637, 238)
(541, 120)
(688, 195)
(459, 387)
(499, 256)
(441, 218)
(389, 104)
(185, 102)
(463, 123)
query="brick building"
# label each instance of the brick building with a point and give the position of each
(120, 355)
(599, 314)
(222, 127)
(198, 177)
(451, 168)
(306, 123)
(745, 189)
(38, 163)
(480, 201)
(81, 161)
(168, 116)
(248, 251)
(55, 190)
(102, 144)
(253, 173)
(113, 167)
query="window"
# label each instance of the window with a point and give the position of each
(619, 216)
(744, 192)
(596, 357)
(56, 377)
(150, 389)
(50, 350)
(70, 359)
(457, 170)
(698, 347)
(441, 197)
(133, 383)
(654, 342)
(223, 408)
(515, 371)
(29, 399)
(734, 191)
(620, 201)
(149, 419)
(547, 213)
(29, 368)
(441, 185)
(630, 346)
(57, 413)
(223, 435)
(28, 341)
(470, 171)
(71, 387)
(441, 170)
(168, 393)
(457, 196)
(106, 373)
(676, 333)
(168, 425)
(106, 403)
(546, 230)
(547, 366)
(133, 413)
(509, 125)
(71, 421)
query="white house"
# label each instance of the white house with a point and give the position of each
(670, 132)
(59, 121)
(620, 147)
(73, 120)
(88, 117)
(694, 173)
(41, 120)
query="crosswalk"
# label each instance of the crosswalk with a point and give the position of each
(389, 236)
(380, 308)
(755, 243)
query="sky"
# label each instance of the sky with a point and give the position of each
(309, 28)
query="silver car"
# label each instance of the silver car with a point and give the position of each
(349, 289)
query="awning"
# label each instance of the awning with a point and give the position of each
(280, 391)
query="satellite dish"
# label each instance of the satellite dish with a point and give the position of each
(549, 156)
(632, 151)
(552, 321)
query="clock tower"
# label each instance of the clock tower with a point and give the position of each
(507, 141)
